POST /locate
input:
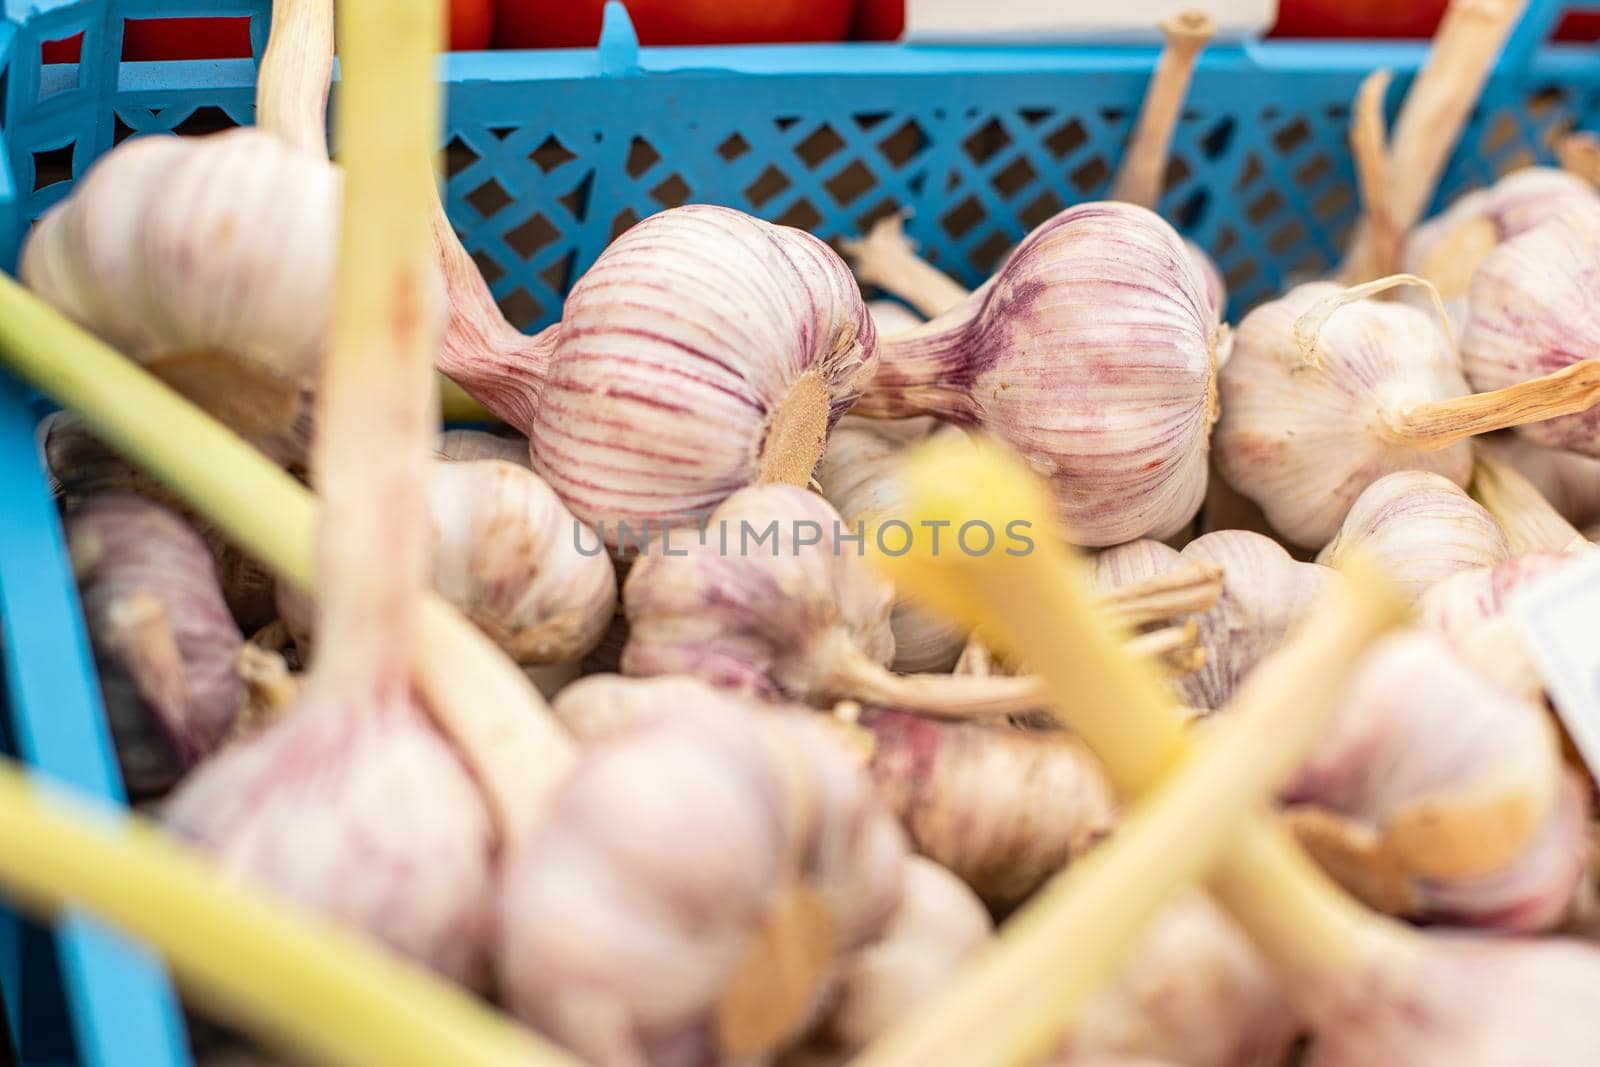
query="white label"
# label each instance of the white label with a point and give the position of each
(1044, 21)
(1559, 616)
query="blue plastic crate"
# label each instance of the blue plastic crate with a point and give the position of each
(553, 154)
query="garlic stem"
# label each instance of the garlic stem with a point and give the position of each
(1579, 153)
(886, 258)
(296, 71)
(1188, 587)
(462, 677)
(1368, 145)
(375, 395)
(1441, 423)
(294, 981)
(1437, 107)
(1310, 324)
(1169, 644)
(856, 677)
(1144, 166)
(1531, 523)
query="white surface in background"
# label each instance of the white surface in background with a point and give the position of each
(1043, 21)
(1560, 621)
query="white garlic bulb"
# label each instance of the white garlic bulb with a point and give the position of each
(857, 475)
(1421, 528)
(1304, 431)
(1468, 609)
(704, 351)
(516, 561)
(1135, 561)
(1265, 594)
(1093, 353)
(460, 445)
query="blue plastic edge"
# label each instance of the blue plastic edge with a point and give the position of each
(10, 196)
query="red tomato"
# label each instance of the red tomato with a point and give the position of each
(879, 20)
(576, 23)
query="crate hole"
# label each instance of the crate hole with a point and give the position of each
(1112, 115)
(5, 87)
(1313, 171)
(1309, 266)
(732, 148)
(120, 130)
(1067, 140)
(1286, 237)
(916, 183)
(641, 157)
(801, 215)
(622, 222)
(1241, 274)
(1226, 240)
(1192, 210)
(577, 200)
(901, 146)
(785, 123)
(1033, 116)
(488, 198)
(1264, 207)
(1332, 202)
(558, 275)
(1090, 177)
(1515, 161)
(1215, 141)
(866, 120)
(850, 184)
(876, 213)
(531, 236)
(673, 192)
(458, 156)
(520, 309)
(189, 37)
(990, 251)
(988, 141)
(53, 165)
(1017, 175)
(204, 120)
(960, 220)
(1251, 173)
(1041, 208)
(1339, 114)
(1178, 171)
(59, 69)
(768, 184)
(1546, 102)
(818, 146)
(1499, 134)
(550, 154)
(488, 267)
(1292, 136)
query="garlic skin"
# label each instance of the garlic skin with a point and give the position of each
(704, 351)
(1002, 808)
(208, 260)
(1531, 313)
(1135, 561)
(891, 317)
(460, 446)
(613, 945)
(1467, 609)
(359, 810)
(164, 642)
(1301, 438)
(858, 476)
(1568, 480)
(1093, 353)
(765, 625)
(1265, 594)
(508, 553)
(1421, 528)
(1194, 991)
(1448, 248)
(1439, 797)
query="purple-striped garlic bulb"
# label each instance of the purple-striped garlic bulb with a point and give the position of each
(1265, 594)
(1468, 610)
(1002, 808)
(858, 476)
(612, 944)
(938, 925)
(1194, 990)
(1093, 352)
(1532, 315)
(1438, 796)
(1570, 481)
(165, 644)
(1422, 528)
(774, 601)
(704, 351)
(1448, 248)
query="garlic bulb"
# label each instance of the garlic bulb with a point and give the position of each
(891, 316)
(1135, 561)
(1531, 314)
(704, 351)
(857, 476)
(1468, 610)
(1448, 248)
(465, 445)
(513, 558)
(1568, 480)
(1437, 796)
(1004, 809)
(616, 947)
(772, 600)
(1194, 990)
(936, 928)
(1421, 528)
(1093, 352)
(164, 641)
(1265, 594)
